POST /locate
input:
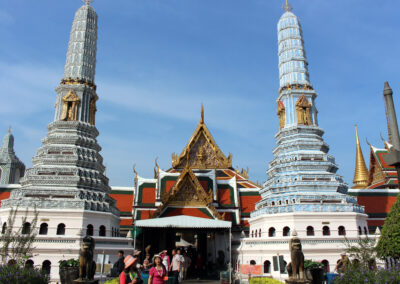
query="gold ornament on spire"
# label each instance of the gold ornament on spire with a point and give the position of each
(88, 2)
(202, 114)
(287, 7)
(361, 172)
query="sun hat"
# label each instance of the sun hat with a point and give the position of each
(155, 256)
(129, 260)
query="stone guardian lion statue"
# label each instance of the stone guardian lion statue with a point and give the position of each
(297, 258)
(87, 266)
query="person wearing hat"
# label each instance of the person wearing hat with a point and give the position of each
(165, 258)
(130, 275)
(158, 272)
(342, 263)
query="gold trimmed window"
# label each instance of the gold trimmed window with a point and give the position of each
(303, 109)
(70, 106)
(281, 114)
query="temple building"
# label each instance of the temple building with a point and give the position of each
(302, 193)
(201, 201)
(11, 168)
(67, 186)
(377, 188)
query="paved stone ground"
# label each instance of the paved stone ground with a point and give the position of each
(193, 281)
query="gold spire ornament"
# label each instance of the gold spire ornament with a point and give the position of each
(88, 2)
(361, 172)
(287, 7)
(202, 114)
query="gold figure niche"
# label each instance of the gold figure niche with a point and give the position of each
(70, 106)
(92, 111)
(282, 114)
(303, 109)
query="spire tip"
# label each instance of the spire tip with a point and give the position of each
(387, 90)
(202, 114)
(357, 138)
(287, 7)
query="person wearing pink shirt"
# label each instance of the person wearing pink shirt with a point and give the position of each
(158, 272)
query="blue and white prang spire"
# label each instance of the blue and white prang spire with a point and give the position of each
(294, 79)
(302, 176)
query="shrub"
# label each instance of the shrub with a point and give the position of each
(69, 263)
(14, 274)
(355, 274)
(264, 280)
(309, 264)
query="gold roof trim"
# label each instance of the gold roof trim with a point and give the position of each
(188, 192)
(361, 172)
(202, 152)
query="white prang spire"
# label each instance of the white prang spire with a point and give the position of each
(82, 47)
(292, 56)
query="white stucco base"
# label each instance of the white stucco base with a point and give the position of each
(318, 247)
(53, 247)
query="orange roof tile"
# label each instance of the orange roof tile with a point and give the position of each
(248, 202)
(125, 222)
(124, 201)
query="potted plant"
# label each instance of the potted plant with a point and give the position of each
(69, 270)
(314, 271)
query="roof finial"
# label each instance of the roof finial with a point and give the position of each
(287, 6)
(9, 129)
(89, 1)
(202, 114)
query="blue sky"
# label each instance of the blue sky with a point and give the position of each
(158, 60)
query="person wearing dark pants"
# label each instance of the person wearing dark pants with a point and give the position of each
(175, 266)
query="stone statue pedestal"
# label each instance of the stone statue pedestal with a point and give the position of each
(297, 281)
(83, 281)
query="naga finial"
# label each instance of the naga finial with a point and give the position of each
(134, 170)
(156, 168)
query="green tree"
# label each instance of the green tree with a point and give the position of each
(363, 253)
(389, 242)
(16, 243)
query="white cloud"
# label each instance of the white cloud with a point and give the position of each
(28, 87)
(229, 112)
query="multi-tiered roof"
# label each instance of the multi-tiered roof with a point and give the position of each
(201, 183)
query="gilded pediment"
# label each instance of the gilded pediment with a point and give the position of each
(202, 152)
(71, 96)
(188, 192)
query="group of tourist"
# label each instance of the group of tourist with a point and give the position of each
(158, 268)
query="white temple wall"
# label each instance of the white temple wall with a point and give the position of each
(53, 247)
(300, 221)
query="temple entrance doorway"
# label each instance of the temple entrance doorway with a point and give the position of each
(209, 249)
